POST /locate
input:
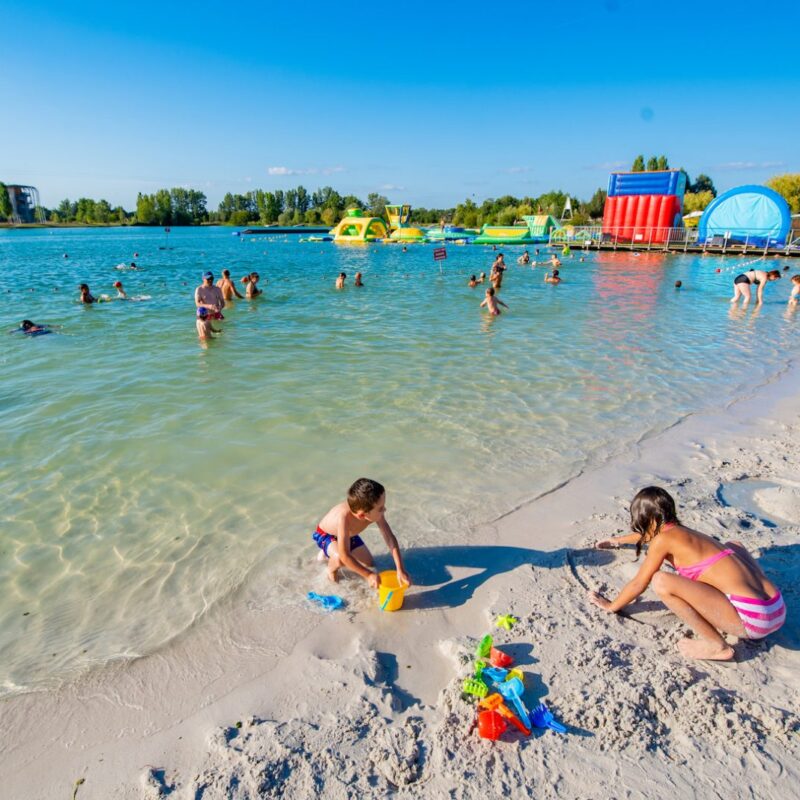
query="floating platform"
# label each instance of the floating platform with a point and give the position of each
(301, 229)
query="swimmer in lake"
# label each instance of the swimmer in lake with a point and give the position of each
(491, 302)
(86, 295)
(524, 259)
(31, 328)
(358, 281)
(340, 280)
(227, 286)
(473, 282)
(554, 279)
(120, 291)
(252, 286)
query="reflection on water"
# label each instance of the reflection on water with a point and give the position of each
(145, 475)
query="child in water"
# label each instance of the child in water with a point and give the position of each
(717, 589)
(795, 295)
(204, 327)
(338, 539)
(491, 302)
(120, 291)
(340, 280)
(252, 286)
(473, 282)
(86, 295)
(358, 281)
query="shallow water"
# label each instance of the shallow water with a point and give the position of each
(143, 475)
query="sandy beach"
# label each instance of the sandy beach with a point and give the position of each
(253, 703)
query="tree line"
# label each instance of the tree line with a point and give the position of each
(326, 206)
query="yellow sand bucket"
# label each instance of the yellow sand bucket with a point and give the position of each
(390, 592)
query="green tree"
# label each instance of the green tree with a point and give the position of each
(102, 211)
(703, 184)
(662, 163)
(652, 164)
(330, 216)
(303, 199)
(596, 206)
(5, 203)
(696, 201)
(145, 209)
(351, 201)
(377, 204)
(507, 215)
(638, 164)
(788, 186)
(162, 202)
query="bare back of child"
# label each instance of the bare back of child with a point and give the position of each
(338, 533)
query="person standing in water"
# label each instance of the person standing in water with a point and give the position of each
(753, 277)
(209, 296)
(227, 287)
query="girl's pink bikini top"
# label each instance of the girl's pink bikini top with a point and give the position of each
(694, 571)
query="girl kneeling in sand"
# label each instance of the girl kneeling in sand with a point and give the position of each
(716, 590)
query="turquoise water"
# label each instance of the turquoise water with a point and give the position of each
(143, 476)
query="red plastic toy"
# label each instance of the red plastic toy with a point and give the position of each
(491, 725)
(500, 659)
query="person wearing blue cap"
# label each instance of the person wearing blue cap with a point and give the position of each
(209, 297)
(204, 327)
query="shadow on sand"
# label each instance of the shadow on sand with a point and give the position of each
(446, 577)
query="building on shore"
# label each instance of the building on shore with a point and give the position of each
(25, 205)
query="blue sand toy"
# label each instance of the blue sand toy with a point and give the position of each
(328, 601)
(494, 674)
(512, 691)
(542, 717)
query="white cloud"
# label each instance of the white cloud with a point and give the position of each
(392, 187)
(607, 166)
(516, 170)
(284, 171)
(742, 165)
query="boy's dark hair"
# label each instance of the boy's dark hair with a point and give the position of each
(651, 509)
(342, 274)
(555, 273)
(490, 292)
(226, 273)
(83, 287)
(774, 273)
(364, 494)
(27, 325)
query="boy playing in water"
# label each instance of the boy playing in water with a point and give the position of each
(204, 327)
(229, 290)
(554, 278)
(337, 534)
(491, 302)
(795, 295)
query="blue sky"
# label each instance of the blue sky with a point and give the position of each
(429, 104)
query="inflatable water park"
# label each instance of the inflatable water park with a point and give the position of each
(643, 210)
(359, 228)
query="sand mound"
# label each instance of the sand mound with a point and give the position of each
(780, 501)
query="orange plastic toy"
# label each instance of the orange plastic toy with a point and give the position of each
(491, 725)
(494, 702)
(500, 659)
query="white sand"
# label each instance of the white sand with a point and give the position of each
(253, 703)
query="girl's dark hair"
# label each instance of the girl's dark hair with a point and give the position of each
(651, 509)
(774, 273)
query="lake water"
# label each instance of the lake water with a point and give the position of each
(143, 476)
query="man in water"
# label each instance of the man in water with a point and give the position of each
(229, 290)
(209, 296)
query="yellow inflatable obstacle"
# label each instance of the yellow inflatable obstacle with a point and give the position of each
(356, 228)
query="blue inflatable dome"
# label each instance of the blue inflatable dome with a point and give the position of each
(752, 214)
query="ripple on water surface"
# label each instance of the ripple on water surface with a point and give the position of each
(144, 475)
